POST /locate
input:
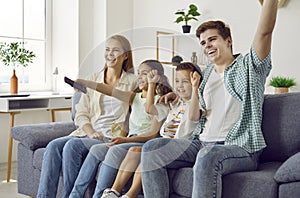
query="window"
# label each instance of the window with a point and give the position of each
(27, 21)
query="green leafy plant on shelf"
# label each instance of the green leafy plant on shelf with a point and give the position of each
(14, 54)
(185, 17)
(279, 81)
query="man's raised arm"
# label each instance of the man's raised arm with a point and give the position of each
(263, 37)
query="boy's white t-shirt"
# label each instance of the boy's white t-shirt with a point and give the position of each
(223, 114)
(177, 123)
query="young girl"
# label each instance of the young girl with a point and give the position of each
(139, 121)
(179, 124)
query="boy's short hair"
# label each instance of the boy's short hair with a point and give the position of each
(191, 67)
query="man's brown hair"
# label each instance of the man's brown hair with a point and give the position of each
(223, 30)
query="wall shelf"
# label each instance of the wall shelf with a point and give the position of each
(178, 44)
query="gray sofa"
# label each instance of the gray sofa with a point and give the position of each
(278, 174)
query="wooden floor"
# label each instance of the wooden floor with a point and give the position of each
(9, 190)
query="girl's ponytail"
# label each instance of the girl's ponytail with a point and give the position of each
(163, 86)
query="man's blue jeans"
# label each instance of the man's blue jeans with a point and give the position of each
(209, 161)
(64, 154)
(111, 158)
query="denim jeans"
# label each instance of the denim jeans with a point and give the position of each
(210, 161)
(64, 154)
(88, 170)
(109, 168)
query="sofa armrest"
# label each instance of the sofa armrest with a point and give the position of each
(34, 136)
(289, 171)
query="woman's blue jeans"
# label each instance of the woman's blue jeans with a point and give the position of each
(66, 155)
(209, 161)
(89, 169)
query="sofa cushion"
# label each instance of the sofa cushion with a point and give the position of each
(289, 190)
(289, 171)
(38, 158)
(258, 183)
(280, 125)
(183, 182)
(251, 184)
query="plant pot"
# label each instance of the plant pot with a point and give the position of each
(14, 83)
(186, 28)
(280, 90)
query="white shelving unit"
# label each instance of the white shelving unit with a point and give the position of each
(169, 44)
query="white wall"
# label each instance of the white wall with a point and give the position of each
(65, 47)
(119, 16)
(98, 21)
(92, 32)
(242, 16)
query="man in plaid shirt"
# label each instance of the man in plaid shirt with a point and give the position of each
(228, 137)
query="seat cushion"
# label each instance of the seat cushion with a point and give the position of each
(183, 182)
(289, 190)
(289, 171)
(251, 184)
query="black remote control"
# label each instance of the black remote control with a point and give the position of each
(76, 85)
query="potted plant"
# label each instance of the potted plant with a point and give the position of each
(185, 17)
(13, 54)
(282, 84)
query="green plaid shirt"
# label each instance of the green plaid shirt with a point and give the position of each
(245, 80)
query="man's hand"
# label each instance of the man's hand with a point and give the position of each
(153, 77)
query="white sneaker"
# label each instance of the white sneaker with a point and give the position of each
(125, 196)
(110, 193)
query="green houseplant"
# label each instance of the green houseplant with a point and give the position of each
(282, 84)
(13, 54)
(185, 17)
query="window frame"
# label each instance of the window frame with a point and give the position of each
(46, 85)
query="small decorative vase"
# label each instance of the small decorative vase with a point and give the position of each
(14, 83)
(280, 90)
(194, 58)
(186, 28)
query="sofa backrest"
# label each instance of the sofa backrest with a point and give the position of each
(75, 100)
(281, 126)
